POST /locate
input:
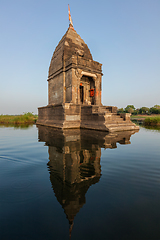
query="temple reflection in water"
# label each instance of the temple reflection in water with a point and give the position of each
(74, 162)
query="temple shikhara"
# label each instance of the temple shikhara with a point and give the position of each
(74, 90)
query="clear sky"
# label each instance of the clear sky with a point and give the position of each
(123, 35)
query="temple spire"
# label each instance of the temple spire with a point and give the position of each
(70, 228)
(70, 19)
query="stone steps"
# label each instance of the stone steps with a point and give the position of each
(103, 109)
(123, 126)
(120, 124)
(113, 117)
(116, 122)
(106, 119)
(109, 117)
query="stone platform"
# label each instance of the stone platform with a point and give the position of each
(70, 116)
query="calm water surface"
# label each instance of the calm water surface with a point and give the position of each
(79, 184)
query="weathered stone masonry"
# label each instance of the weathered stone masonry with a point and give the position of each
(72, 68)
(74, 90)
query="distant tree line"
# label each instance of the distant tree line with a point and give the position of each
(143, 110)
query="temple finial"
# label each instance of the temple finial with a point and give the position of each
(70, 19)
(70, 228)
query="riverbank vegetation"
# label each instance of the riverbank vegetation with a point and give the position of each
(29, 118)
(140, 111)
(149, 116)
(152, 121)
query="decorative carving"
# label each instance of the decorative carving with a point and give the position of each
(78, 73)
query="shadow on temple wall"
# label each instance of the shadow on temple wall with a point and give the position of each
(74, 162)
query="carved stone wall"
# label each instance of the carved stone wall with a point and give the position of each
(55, 89)
(71, 62)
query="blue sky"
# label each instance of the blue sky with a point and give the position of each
(124, 35)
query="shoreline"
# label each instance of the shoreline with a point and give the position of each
(147, 120)
(26, 118)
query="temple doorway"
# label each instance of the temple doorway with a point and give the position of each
(81, 93)
(87, 90)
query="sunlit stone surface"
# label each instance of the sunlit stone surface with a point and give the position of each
(74, 91)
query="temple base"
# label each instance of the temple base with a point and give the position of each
(69, 116)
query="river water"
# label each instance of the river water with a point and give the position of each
(79, 184)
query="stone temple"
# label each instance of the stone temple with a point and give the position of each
(74, 90)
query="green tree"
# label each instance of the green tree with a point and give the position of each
(129, 109)
(154, 110)
(144, 110)
(157, 106)
(136, 111)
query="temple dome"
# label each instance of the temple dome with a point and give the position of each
(70, 45)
